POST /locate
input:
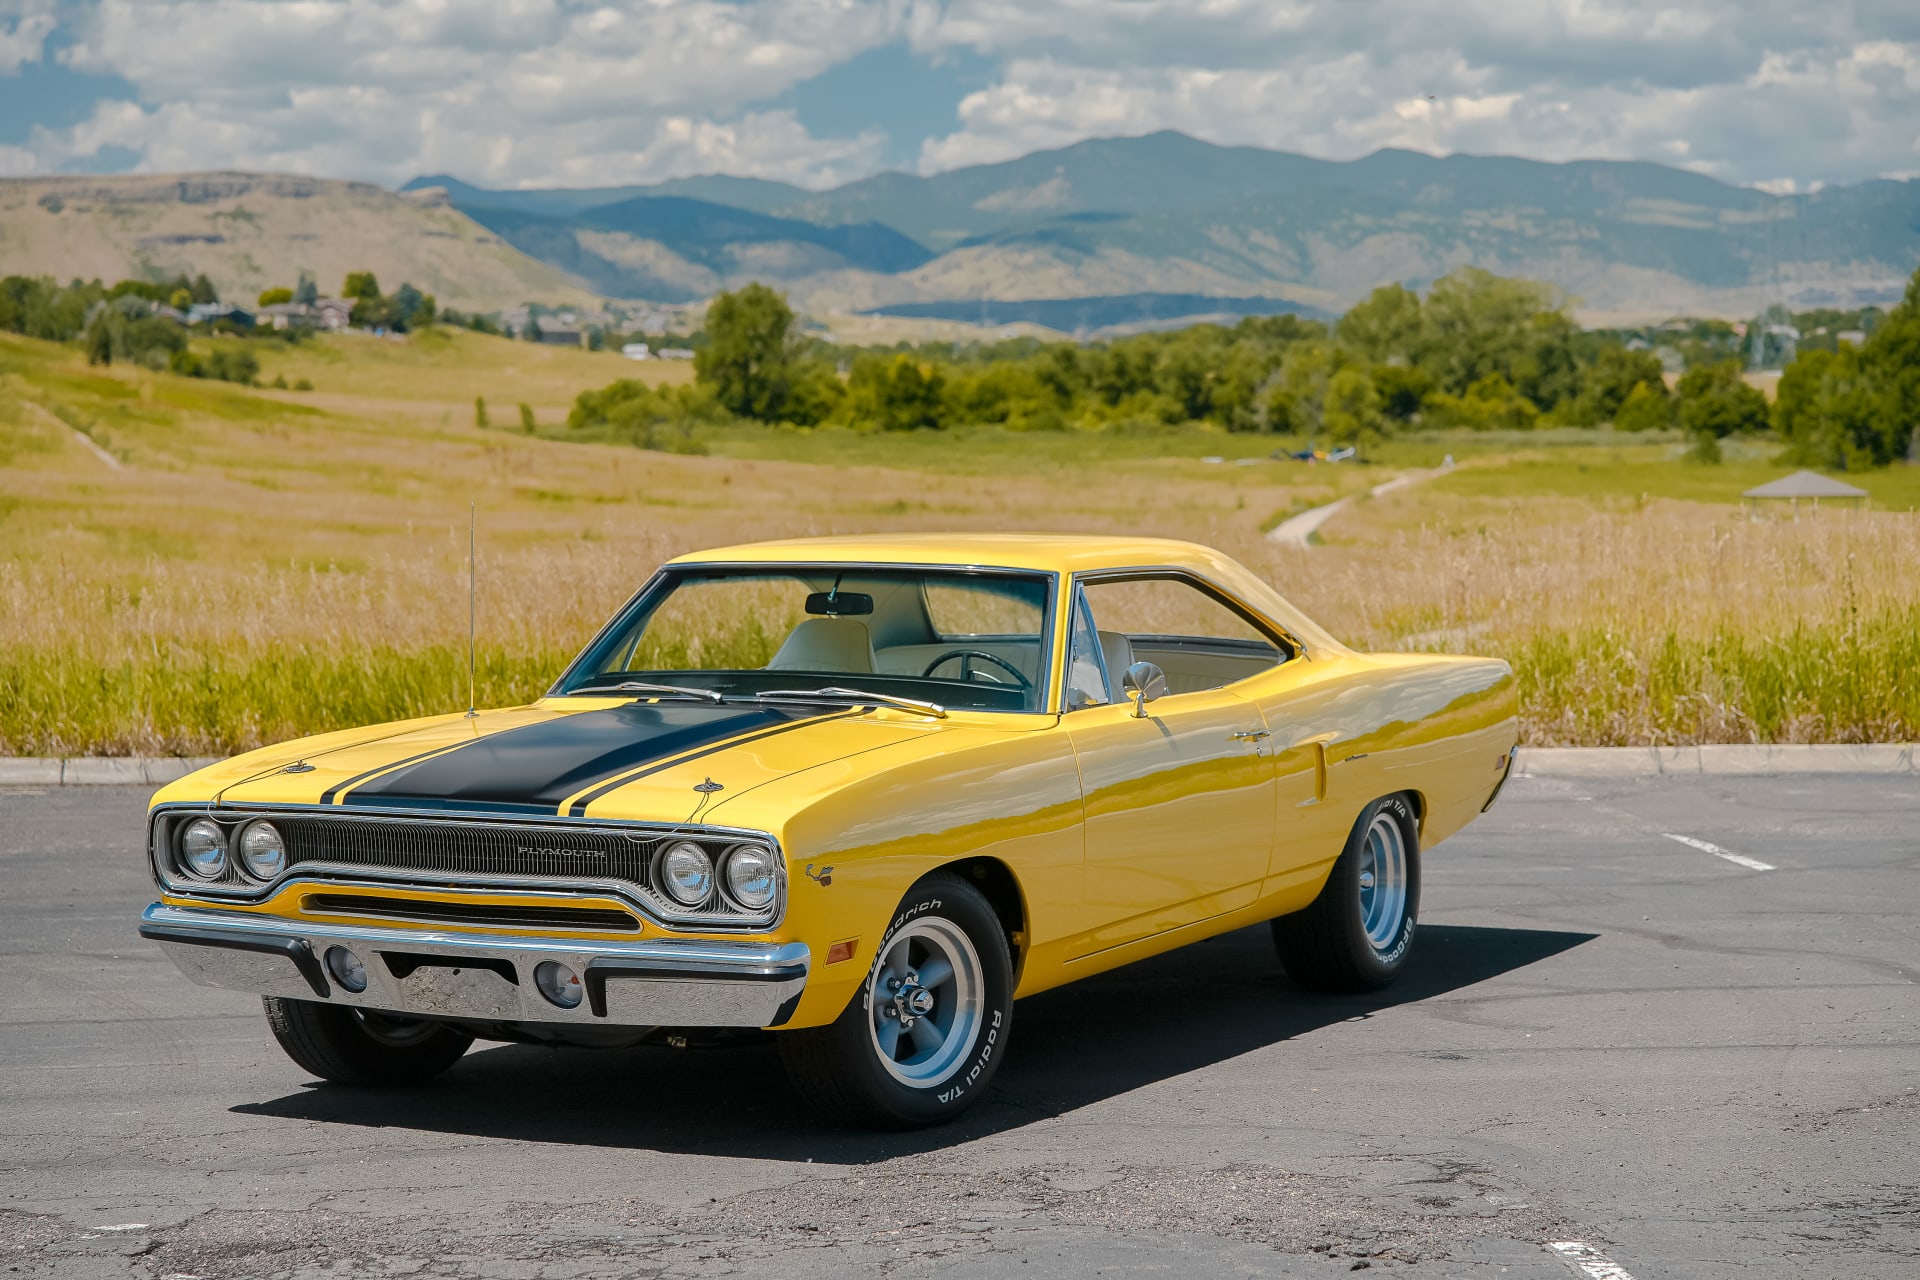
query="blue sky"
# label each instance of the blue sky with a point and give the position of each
(1777, 93)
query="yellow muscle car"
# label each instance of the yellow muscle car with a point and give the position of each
(860, 792)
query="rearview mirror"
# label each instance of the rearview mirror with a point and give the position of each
(1143, 682)
(839, 604)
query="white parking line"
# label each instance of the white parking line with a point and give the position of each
(1752, 864)
(1589, 1260)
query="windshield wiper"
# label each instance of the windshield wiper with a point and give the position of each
(837, 693)
(641, 686)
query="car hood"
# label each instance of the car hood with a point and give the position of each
(651, 761)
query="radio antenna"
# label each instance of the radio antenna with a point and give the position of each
(471, 518)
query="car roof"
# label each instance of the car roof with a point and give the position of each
(1050, 552)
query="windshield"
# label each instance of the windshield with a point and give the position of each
(958, 638)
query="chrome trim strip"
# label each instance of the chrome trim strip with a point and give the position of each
(640, 982)
(368, 876)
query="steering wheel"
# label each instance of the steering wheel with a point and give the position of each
(967, 672)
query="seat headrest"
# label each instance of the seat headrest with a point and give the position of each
(826, 644)
(1117, 650)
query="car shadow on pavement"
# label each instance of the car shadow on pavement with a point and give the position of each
(1072, 1046)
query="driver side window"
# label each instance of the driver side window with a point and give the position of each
(1196, 640)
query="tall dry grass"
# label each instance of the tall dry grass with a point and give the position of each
(259, 569)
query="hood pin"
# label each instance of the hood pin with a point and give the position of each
(708, 787)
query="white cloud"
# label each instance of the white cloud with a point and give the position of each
(24, 28)
(504, 91)
(1742, 89)
(599, 91)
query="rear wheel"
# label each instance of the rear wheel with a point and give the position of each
(920, 1042)
(1358, 932)
(363, 1046)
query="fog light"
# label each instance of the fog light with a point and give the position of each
(347, 969)
(559, 984)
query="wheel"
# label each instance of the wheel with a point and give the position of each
(922, 1039)
(354, 1046)
(1357, 933)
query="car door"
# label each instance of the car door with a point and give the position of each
(1179, 803)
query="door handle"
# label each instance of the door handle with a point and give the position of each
(1249, 735)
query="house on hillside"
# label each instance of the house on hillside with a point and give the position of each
(329, 314)
(208, 312)
(559, 331)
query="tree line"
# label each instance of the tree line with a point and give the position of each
(1477, 351)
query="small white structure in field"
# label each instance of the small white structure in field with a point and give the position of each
(637, 351)
(1804, 486)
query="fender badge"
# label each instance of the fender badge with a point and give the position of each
(708, 787)
(823, 877)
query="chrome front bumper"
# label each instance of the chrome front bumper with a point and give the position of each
(434, 973)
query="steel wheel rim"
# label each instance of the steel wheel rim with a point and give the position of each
(924, 1002)
(1383, 882)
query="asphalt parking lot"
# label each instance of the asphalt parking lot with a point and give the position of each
(1665, 1062)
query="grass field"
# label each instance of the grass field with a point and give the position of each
(267, 563)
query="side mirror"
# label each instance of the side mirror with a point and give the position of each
(1143, 682)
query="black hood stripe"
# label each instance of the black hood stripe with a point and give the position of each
(337, 791)
(537, 767)
(578, 809)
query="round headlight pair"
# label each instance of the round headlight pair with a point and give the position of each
(686, 873)
(204, 850)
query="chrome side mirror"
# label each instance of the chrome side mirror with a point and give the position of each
(1143, 682)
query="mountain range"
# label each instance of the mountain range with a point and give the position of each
(1110, 232)
(1167, 214)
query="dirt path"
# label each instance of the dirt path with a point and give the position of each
(1297, 531)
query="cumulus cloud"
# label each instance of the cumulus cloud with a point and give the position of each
(507, 91)
(24, 28)
(1747, 90)
(540, 92)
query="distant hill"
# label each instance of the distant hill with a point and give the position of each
(1101, 225)
(1085, 316)
(1169, 214)
(248, 232)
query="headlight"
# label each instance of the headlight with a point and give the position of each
(262, 852)
(203, 849)
(750, 876)
(687, 874)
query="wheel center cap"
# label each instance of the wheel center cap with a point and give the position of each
(1366, 879)
(917, 1001)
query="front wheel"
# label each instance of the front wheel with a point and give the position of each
(920, 1042)
(356, 1046)
(1357, 933)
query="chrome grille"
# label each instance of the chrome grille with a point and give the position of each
(457, 848)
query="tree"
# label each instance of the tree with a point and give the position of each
(1476, 324)
(275, 297)
(527, 423)
(896, 393)
(480, 411)
(1384, 328)
(1645, 409)
(360, 284)
(1714, 398)
(1829, 412)
(1613, 378)
(181, 299)
(306, 292)
(749, 357)
(202, 289)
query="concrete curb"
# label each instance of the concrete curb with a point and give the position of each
(1727, 760)
(33, 771)
(1730, 760)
